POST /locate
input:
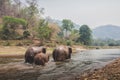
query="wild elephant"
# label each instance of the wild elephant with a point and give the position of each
(62, 53)
(31, 52)
(41, 59)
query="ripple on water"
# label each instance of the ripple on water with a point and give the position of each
(16, 69)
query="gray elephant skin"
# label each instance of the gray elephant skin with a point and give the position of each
(31, 52)
(62, 53)
(41, 59)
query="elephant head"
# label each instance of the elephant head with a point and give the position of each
(41, 59)
(31, 52)
(62, 53)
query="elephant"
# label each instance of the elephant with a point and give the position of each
(62, 53)
(41, 59)
(31, 52)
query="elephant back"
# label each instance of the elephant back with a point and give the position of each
(41, 59)
(39, 49)
(60, 53)
(32, 51)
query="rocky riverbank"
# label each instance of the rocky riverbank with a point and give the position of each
(109, 72)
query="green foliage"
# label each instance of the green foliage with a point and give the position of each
(67, 25)
(85, 35)
(61, 33)
(106, 42)
(10, 25)
(68, 43)
(8, 33)
(74, 35)
(1, 26)
(26, 34)
(43, 31)
(31, 13)
(32, 8)
(14, 21)
(98, 42)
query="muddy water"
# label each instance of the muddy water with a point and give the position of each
(16, 69)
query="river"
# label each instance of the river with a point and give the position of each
(82, 61)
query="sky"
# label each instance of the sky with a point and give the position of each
(93, 13)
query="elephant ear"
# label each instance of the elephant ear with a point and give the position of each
(53, 54)
(70, 49)
(44, 50)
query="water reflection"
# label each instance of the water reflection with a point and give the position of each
(16, 69)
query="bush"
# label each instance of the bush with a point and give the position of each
(26, 34)
(16, 21)
(68, 43)
(10, 26)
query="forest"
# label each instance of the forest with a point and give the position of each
(23, 21)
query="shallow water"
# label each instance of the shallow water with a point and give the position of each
(16, 69)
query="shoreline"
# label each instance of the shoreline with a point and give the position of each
(16, 51)
(109, 72)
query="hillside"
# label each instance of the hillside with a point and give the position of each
(107, 31)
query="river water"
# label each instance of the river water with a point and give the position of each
(85, 61)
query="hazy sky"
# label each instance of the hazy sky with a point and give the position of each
(91, 12)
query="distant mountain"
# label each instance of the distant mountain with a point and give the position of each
(107, 31)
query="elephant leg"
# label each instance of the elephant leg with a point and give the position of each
(30, 60)
(69, 51)
(54, 55)
(27, 59)
(69, 55)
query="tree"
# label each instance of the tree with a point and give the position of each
(55, 30)
(85, 35)
(5, 8)
(67, 25)
(16, 7)
(43, 31)
(30, 12)
(74, 35)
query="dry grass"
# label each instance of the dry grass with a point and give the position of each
(16, 51)
(19, 51)
(12, 50)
